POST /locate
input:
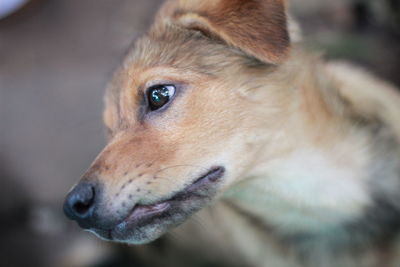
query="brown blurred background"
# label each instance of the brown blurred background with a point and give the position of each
(56, 57)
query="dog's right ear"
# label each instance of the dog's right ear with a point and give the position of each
(257, 27)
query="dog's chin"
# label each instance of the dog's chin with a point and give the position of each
(145, 223)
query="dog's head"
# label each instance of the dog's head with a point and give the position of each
(181, 125)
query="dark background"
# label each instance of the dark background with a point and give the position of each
(56, 57)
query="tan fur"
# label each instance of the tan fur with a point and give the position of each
(296, 137)
(242, 24)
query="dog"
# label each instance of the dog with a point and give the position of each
(224, 130)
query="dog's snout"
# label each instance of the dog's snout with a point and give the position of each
(80, 202)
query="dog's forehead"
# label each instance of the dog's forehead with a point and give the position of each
(172, 48)
(176, 47)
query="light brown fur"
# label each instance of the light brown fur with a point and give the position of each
(303, 142)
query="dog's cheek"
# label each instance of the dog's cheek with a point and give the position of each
(211, 124)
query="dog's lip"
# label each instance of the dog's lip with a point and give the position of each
(152, 209)
(147, 212)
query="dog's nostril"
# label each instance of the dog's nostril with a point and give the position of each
(79, 203)
(82, 208)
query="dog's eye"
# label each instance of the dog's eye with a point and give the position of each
(159, 95)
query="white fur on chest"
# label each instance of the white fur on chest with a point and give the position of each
(306, 191)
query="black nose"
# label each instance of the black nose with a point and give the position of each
(80, 202)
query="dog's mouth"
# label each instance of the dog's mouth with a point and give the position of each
(147, 222)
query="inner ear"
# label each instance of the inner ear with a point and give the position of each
(257, 27)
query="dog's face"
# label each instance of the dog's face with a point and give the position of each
(181, 128)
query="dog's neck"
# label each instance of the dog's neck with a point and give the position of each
(314, 175)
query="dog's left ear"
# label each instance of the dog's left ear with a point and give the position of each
(257, 27)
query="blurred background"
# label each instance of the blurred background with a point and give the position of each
(56, 57)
